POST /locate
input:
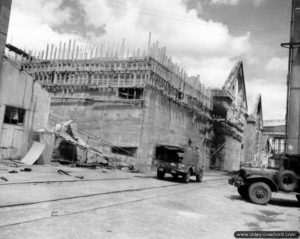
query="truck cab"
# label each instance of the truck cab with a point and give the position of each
(178, 160)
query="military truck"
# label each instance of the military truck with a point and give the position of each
(178, 160)
(257, 184)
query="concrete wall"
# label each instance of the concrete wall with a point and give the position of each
(164, 121)
(16, 87)
(250, 136)
(232, 154)
(41, 107)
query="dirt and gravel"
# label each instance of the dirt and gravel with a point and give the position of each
(118, 204)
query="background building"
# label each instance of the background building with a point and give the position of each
(258, 145)
(230, 112)
(275, 129)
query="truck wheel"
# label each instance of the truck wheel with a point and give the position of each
(175, 176)
(287, 181)
(199, 177)
(160, 174)
(243, 191)
(186, 177)
(259, 193)
(298, 197)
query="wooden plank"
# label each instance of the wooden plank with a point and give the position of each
(102, 50)
(123, 47)
(149, 42)
(69, 49)
(73, 49)
(59, 50)
(47, 49)
(51, 52)
(97, 51)
(64, 51)
(54, 56)
(77, 52)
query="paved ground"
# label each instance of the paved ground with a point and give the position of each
(118, 204)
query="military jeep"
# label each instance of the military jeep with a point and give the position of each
(178, 160)
(257, 184)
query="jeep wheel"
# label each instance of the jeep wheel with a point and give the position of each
(199, 177)
(259, 193)
(160, 174)
(243, 191)
(298, 197)
(186, 177)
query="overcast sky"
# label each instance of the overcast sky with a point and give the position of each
(206, 37)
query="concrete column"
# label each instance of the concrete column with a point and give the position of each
(2, 112)
(293, 127)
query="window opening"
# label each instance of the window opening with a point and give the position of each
(130, 93)
(14, 115)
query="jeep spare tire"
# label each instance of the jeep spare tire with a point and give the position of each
(287, 180)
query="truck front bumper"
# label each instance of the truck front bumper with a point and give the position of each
(236, 181)
(168, 170)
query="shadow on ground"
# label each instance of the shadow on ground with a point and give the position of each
(285, 202)
(274, 201)
(169, 179)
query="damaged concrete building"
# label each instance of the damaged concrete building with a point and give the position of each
(24, 108)
(126, 105)
(257, 145)
(230, 113)
(24, 105)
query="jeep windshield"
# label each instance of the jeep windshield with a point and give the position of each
(169, 153)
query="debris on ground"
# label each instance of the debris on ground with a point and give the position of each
(107, 162)
(26, 170)
(13, 171)
(74, 147)
(63, 172)
(4, 178)
(16, 163)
